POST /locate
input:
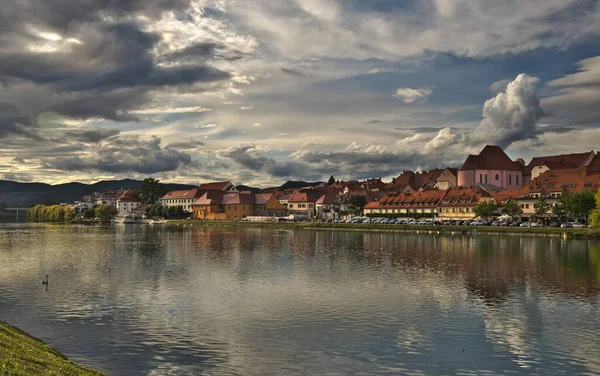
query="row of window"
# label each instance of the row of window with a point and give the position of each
(455, 210)
(291, 206)
(483, 177)
(178, 200)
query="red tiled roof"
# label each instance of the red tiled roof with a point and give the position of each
(215, 186)
(304, 197)
(569, 180)
(326, 199)
(191, 193)
(409, 200)
(128, 196)
(491, 158)
(210, 198)
(562, 161)
(262, 198)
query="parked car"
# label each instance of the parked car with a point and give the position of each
(566, 225)
(555, 224)
(515, 224)
(577, 225)
(476, 223)
(496, 223)
(413, 222)
(536, 224)
(524, 224)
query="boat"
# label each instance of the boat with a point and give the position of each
(123, 219)
(158, 222)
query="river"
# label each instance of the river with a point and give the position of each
(182, 300)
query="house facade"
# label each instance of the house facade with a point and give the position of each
(303, 204)
(267, 205)
(539, 165)
(492, 166)
(184, 199)
(128, 202)
(407, 205)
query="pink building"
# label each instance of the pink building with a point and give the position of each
(492, 167)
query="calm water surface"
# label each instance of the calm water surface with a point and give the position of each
(135, 300)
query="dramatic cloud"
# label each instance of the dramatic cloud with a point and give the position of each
(130, 154)
(249, 157)
(510, 116)
(578, 95)
(92, 135)
(408, 95)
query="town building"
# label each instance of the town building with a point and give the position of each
(328, 206)
(267, 205)
(459, 203)
(303, 203)
(184, 198)
(407, 204)
(492, 166)
(539, 165)
(223, 186)
(128, 201)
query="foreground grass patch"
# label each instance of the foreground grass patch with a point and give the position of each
(23, 355)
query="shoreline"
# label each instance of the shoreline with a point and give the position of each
(418, 229)
(23, 354)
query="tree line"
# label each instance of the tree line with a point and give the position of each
(578, 206)
(59, 213)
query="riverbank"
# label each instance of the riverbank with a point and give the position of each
(471, 230)
(22, 354)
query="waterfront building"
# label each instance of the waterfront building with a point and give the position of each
(420, 204)
(184, 198)
(267, 205)
(128, 201)
(539, 165)
(492, 166)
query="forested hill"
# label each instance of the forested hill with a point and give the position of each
(27, 194)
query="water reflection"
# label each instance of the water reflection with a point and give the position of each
(255, 301)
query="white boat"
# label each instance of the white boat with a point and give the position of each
(158, 222)
(124, 219)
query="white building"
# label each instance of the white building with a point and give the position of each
(127, 202)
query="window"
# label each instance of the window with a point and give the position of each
(497, 177)
(517, 179)
(481, 178)
(526, 206)
(486, 178)
(550, 186)
(509, 179)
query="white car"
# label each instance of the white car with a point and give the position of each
(577, 225)
(525, 224)
(535, 224)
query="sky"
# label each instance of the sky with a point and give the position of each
(262, 91)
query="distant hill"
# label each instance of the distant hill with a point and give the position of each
(245, 188)
(27, 194)
(298, 184)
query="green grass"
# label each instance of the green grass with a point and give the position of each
(23, 355)
(573, 233)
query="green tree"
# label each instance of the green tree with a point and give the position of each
(579, 205)
(356, 204)
(512, 208)
(331, 180)
(89, 213)
(595, 216)
(106, 212)
(485, 209)
(542, 207)
(151, 191)
(558, 210)
(70, 214)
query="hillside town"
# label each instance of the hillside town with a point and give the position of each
(532, 191)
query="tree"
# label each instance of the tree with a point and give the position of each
(542, 207)
(579, 205)
(595, 216)
(88, 213)
(356, 204)
(151, 191)
(331, 180)
(69, 214)
(512, 208)
(485, 209)
(558, 210)
(106, 212)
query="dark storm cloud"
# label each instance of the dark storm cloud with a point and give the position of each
(124, 155)
(106, 70)
(292, 72)
(356, 157)
(92, 135)
(373, 122)
(186, 145)
(247, 156)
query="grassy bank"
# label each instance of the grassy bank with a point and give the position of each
(571, 233)
(23, 355)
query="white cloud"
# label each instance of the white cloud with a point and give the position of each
(170, 110)
(257, 125)
(205, 126)
(247, 108)
(499, 86)
(408, 95)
